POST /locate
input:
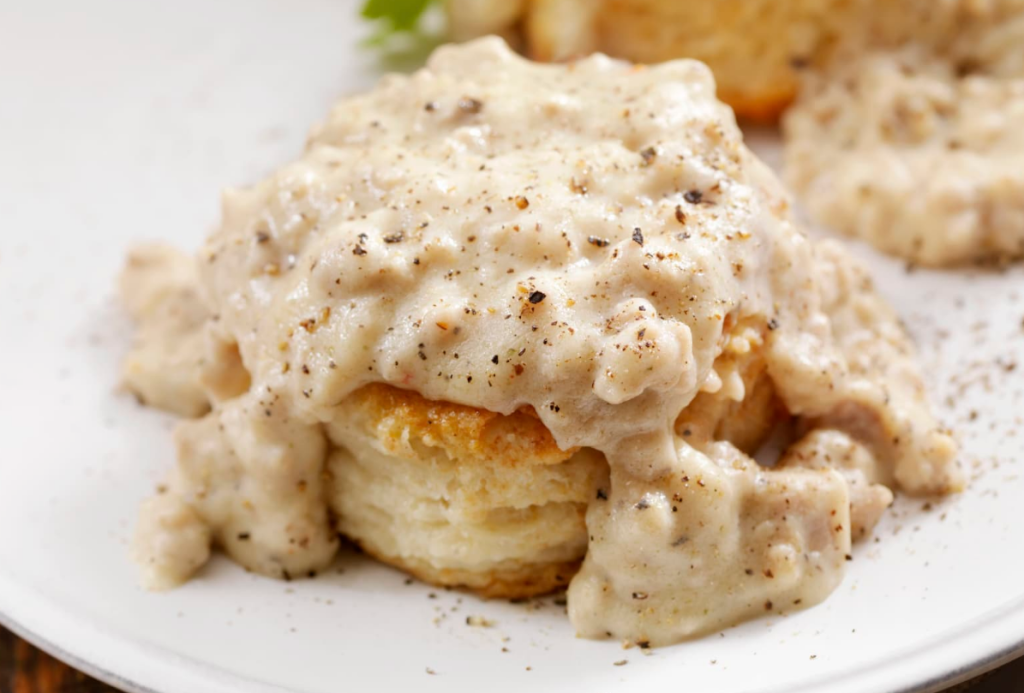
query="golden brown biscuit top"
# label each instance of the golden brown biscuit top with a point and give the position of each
(466, 434)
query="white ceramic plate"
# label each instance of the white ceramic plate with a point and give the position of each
(120, 120)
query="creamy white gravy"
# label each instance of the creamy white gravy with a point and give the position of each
(911, 138)
(588, 240)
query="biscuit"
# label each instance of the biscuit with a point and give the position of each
(460, 496)
(593, 241)
(756, 48)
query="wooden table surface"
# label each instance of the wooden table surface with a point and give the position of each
(24, 669)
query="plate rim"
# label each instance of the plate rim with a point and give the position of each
(69, 659)
(954, 672)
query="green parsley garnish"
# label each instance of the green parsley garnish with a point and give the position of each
(395, 16)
